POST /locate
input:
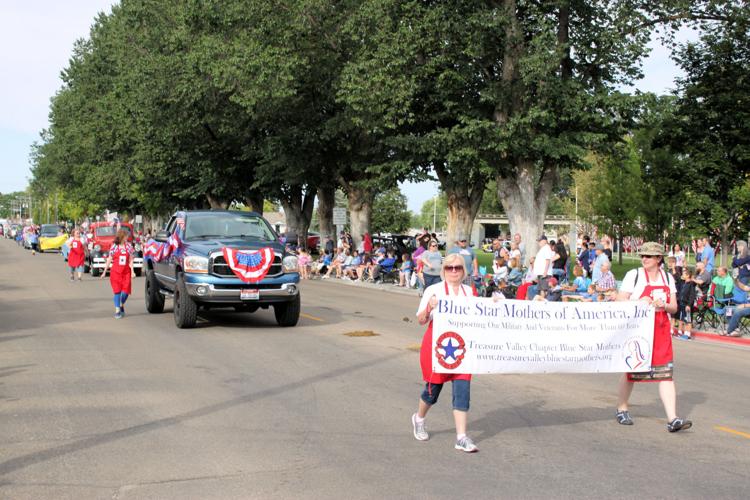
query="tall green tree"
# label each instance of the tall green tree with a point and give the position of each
(710, 131)
(390, 213)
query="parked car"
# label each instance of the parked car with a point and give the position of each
(51, 237)
(101, 235)
(197, 274)
(313, 240)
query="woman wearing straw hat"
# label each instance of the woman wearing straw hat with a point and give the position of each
(453, 273)
(651, 284)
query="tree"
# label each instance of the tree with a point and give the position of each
(390, 213)
(617, 194)
(510, 90)
(711, 131)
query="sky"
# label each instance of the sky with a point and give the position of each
(37, 37)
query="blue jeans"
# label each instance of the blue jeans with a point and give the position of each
(430, 279)
(461, 394)
(737, 315)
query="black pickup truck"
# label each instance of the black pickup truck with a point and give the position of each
(196, 274)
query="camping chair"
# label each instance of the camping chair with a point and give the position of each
(739, 296)
(721, 307)
(386, 271)
(702, 314)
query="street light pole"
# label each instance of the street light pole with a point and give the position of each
(434, 214)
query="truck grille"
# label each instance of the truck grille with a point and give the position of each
(219, 267)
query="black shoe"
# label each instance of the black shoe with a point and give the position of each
(624, 418)
(679, 424)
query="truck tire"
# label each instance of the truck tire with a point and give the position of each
(185, 308)
(154, 299)
(95, 272)
(138, 271)
(287, 313)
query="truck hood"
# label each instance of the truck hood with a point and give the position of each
(205, 247)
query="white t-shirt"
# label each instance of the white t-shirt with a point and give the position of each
(438, 290)
(541, 266)
(635, 290)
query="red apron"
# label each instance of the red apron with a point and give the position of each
(662, 353)
(119, 273)
(75, 255)
(425, 357)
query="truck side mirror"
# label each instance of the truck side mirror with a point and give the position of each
(162, 236)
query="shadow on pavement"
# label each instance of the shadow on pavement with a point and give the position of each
(23, 461)
(7, 371)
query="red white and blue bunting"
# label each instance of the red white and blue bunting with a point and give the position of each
(250, 266)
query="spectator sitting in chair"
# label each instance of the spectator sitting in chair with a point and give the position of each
(385, 265)
(337, 264)
(740, 312)
(741, 260)
(579, 285)
(724, 283)
(499, 269)
(515, 275)
(702, 277)
(606, 280)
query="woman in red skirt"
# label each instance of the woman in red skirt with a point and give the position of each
(453, 273)
(121, 273)
(76, 255)
(651, 284)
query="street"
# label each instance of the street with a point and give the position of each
(94, 407)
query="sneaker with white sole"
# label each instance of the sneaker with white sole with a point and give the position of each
(466, 444)
(420, 433)
(679, 424)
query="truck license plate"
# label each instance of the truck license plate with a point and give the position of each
(249, 294)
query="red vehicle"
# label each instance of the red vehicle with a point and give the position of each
(101, 235)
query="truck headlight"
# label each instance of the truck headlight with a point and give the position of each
(196, 264)
(97, 248)
(290, 264)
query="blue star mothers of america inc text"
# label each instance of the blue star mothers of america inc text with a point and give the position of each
(529, 311)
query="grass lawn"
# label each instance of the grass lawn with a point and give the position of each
(619, 270)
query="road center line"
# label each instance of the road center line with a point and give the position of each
(311, 317)
(732, 431)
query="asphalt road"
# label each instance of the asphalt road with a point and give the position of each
(93, 407)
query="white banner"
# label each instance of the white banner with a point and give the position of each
(478, 335)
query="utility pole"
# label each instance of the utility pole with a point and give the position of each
(434, 214)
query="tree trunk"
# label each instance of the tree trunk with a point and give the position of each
(326, 202)
(298, 207)
(216, 203)
(463, 205)
(254, 200)
(360, 211)
(524, 196)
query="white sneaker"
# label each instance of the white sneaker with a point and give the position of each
(466, 444)
(420, 433)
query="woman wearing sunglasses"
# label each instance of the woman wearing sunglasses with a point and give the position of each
(652, 284)
(453, 273)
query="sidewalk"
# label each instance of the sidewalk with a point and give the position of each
(706, 336)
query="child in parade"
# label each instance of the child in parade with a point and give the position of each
(121, 271)
(687, 296)
(650, 284)
(303, 261)
(404, 272)
(453, 274)
(76, 255)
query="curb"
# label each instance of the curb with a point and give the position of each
(373, 286)
(719, 339)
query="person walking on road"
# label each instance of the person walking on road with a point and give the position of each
(454, 271)
(76, 255)
(651, 284)
(121, 273)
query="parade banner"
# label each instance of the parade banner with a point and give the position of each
(479, 335)
(53, 242)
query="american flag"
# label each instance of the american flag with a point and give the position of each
(250, 266)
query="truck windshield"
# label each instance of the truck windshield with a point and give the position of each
(218, 225)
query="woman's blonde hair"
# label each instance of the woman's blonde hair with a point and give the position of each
(121, 237)
(453, 259)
